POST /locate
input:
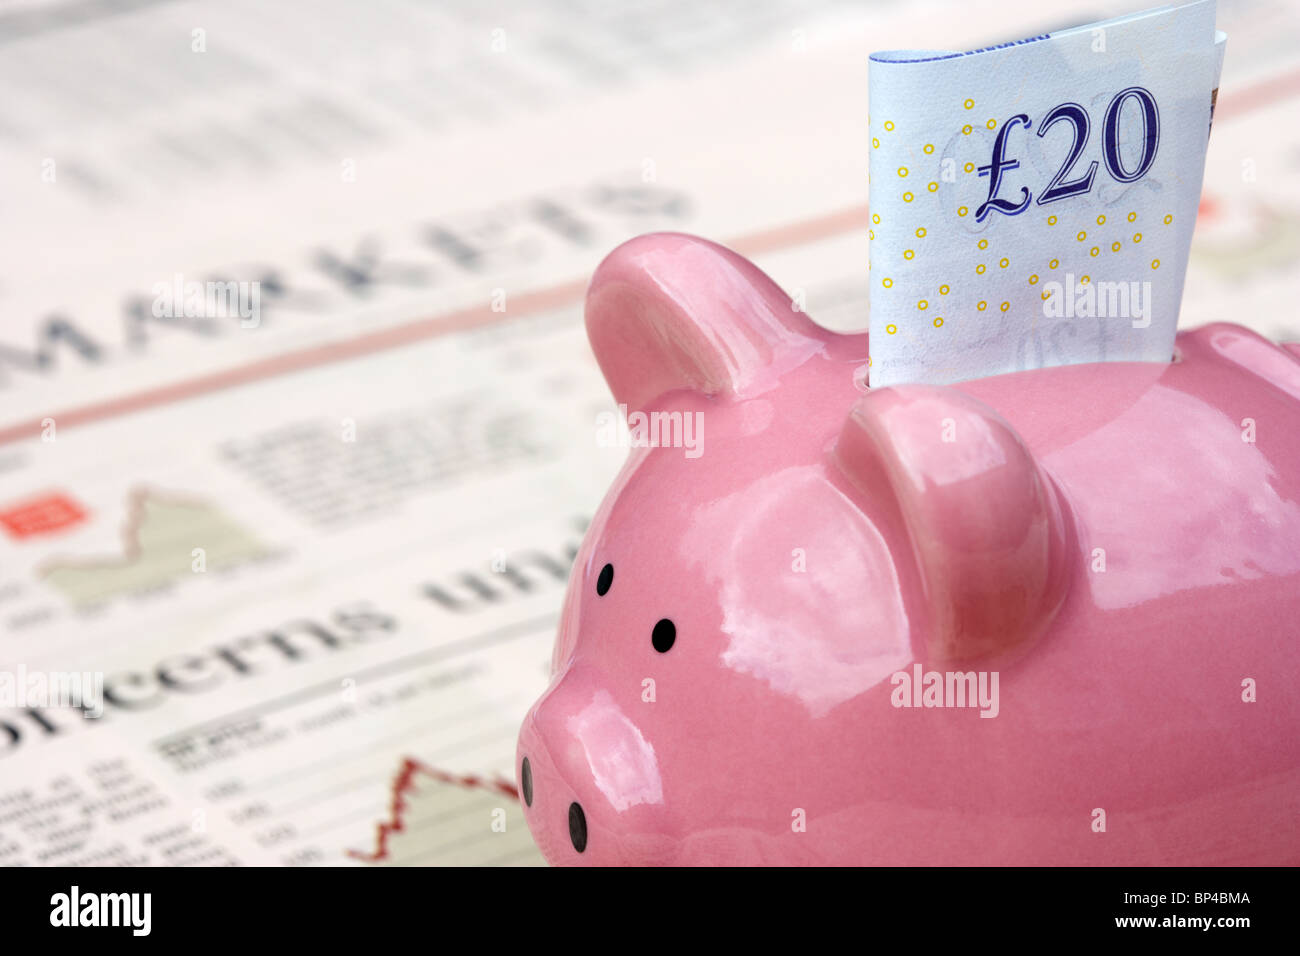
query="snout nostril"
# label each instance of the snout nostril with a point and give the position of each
(526, 782)
(577, 827)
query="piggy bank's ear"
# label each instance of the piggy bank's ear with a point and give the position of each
(985, 524)
(667, 311)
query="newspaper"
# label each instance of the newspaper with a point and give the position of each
(298, 432)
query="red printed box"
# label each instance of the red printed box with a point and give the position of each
(50, 512)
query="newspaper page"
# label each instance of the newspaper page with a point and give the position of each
(297, 438)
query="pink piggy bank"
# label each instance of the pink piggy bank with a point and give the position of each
(1048, 617)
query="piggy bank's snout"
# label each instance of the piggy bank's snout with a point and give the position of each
(577, 818)
(552, 803)
(587, 775)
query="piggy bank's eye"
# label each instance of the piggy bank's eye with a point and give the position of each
(605, 579)
(664, 635)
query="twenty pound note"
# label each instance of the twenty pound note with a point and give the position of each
(1032, 203)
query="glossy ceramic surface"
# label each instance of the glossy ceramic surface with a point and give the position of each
(1118, 543)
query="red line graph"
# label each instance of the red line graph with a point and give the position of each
(405, 783)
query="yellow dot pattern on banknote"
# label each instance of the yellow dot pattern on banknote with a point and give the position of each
(951, 205)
